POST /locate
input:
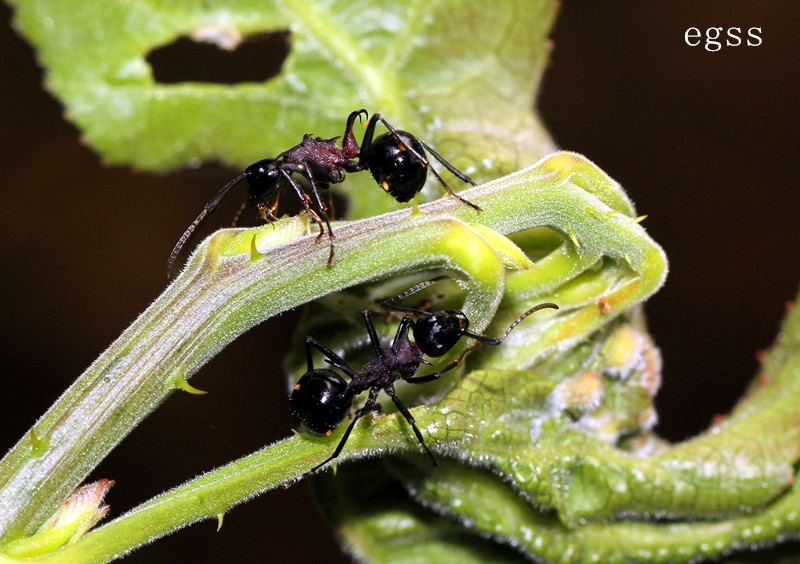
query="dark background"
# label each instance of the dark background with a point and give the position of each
(705, 144)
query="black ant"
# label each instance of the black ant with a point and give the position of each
(396, 160)
(322, 398)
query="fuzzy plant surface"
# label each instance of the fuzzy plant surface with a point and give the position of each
(545, 442)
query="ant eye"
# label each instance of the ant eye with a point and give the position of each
(319, 402)
(395, 168)
(437, 334)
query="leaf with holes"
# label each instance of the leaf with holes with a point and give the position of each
(460, 74)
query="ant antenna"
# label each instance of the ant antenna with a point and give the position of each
(480, 339)
(413, 290)
(199, 220)
(238, 215)
(494, 341)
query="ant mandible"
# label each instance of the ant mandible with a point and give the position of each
(322, 398)
(396, 160)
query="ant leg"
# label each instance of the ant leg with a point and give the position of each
(322, 209)
(326, 189)
(332, 358)
(305, 170)
(373, 335)
(265, 211)
(402, 330)
(411, 421)
(368, 406)
(447, 368)
(423, 160)
(271, 212)
(457, 173)
(379, 118)
(304, 199)
(450, 191)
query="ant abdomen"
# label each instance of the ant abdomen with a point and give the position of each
(395, 168)
(319, 401)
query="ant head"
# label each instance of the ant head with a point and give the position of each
(319, 402)
(264, 179)
(393, 166)
(438, 333)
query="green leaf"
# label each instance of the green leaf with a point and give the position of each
(460, 74)
(383, 523)
(530, 476)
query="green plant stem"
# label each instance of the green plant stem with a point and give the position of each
(225, 291)
(216, 299)
(209, 496)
